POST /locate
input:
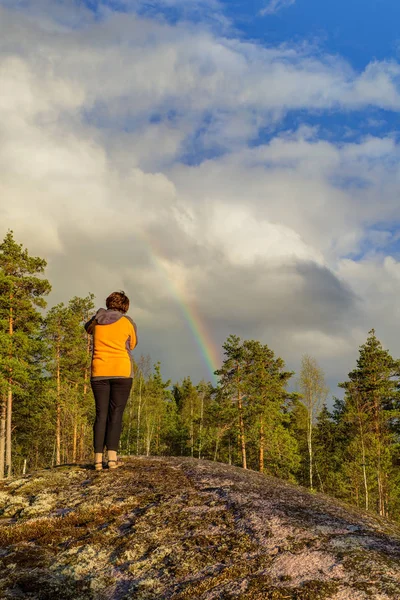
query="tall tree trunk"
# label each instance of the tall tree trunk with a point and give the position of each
(377, 424)
(128, 434)
(75, 440)
(75, 425)
(87, 368)
(365, 475)
(139, 415)
(81, 444)
(3, 410)
(158, 435)
(319, 478)
(241, 430)
(9, 398)
(86, 379)
(387, 512)
(309, 444)
(8, 431)
(219, 434)
(58, 409)
(381, 500)
(191, 427)
(216, 446)
(241, 423)
(149, 436)
(356, 492)
(380, 486)
(148, 443)
(362, 451)
(262, 438)
(201, 424)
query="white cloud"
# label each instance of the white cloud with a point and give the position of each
(239, 235)
(376, 280)
(274, 6)
(94, 118)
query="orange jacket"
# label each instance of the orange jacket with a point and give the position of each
(114, 336)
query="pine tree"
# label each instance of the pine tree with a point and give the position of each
(266, 396)
(252, 385)
(82, 310)
(56, 334)
(371, 399)
(298, 423)
(188, 401)
(68, 362)
(158, 412)
(33, 418)
(331, 435)
(132, 433)
(222, 429)
(232, 385)
(21, 293)
(204, 391)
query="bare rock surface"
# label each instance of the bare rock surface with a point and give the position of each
(184, 529)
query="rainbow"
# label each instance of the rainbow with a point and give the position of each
(202, 336)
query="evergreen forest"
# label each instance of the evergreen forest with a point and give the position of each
(249, 419)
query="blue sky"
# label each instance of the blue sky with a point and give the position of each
(359, 30)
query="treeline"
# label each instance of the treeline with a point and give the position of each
(249, 418)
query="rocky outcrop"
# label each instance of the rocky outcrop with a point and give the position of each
(183, 529)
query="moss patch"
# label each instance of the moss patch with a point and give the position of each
(185, 530)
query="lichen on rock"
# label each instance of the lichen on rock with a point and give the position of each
(183, 529)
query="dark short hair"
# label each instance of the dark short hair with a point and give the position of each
(118, 301)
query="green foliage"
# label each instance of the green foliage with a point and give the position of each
(371, 411)
(67, 361)
(249, 419)
(150, 420)
(193, 405)
(21, 294)
(254, 402)
(357, 446)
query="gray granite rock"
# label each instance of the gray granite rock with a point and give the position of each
(183, 529)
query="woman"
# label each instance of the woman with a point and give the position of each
(114, 336)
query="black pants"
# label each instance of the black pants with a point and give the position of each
(111, 396)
